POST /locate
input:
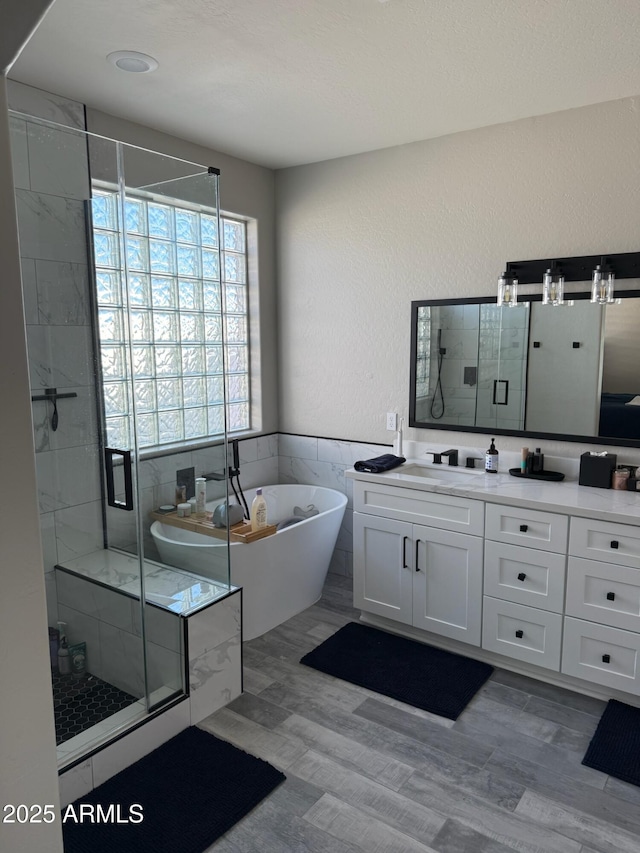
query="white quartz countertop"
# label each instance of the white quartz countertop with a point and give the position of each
(565, 497)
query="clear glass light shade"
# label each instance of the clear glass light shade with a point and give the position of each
(553, 288)
(602, 287)
(507, 291)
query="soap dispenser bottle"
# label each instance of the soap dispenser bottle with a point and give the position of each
(491, 459)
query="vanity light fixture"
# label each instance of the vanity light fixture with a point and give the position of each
(554, 272)
(508, 290)
(133, 61)
(602, 284)
(553, 287)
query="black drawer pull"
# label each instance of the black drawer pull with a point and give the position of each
(522, 576)
(615, 543)
(404, 552)
(519, 634)
(524, 528)
(417, 566)
(606, 658)
(611, 596)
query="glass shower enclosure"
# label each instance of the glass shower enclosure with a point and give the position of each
(120, 252)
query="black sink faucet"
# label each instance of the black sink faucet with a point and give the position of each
(453, 456)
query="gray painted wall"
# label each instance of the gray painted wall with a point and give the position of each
(360, 237)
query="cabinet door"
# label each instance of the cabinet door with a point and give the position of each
(382, 566)
(447, 583)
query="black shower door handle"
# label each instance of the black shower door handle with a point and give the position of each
(497, 382)
(127, 503)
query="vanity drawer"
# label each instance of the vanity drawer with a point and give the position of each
(524, 575)
(605, 540)
(444, 511)
(601, 654)
(604, 593)
(515, 526)
(520, 632)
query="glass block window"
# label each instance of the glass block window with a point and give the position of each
(184, 313)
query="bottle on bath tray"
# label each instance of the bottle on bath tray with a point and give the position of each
(258, 512)
(201, 497)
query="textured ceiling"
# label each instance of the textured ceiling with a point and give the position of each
(285, 82)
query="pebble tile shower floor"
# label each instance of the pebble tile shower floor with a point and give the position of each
(367, 773)
(79, 704)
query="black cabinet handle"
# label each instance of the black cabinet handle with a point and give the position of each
(519, 634)
(522, 576)
(606, 658)
(417, 566)
(615, 543)
(404, 552)
(611, 596)
(524, 528)
(109, 453)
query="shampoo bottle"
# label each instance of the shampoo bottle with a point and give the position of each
(64, 659)
(258, 512)
(491, 459)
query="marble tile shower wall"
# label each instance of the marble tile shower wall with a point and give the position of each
(51, 178)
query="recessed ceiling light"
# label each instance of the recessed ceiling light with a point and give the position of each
(131, 60)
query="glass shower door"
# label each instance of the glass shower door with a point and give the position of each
(94, 343)
(169, 393)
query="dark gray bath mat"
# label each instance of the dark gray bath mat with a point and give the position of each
(412, 672)
(615, 747)
(189, 792)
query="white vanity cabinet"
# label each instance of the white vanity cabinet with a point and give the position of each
(602, 625)
(427, 575)
(524, 580)
(554, 592)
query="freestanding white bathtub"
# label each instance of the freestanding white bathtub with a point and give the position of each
(280, 575)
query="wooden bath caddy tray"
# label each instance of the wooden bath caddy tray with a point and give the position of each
(240, 532)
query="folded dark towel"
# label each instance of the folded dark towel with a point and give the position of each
(386, 462)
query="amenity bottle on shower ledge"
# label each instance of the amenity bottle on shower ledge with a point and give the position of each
(258, 512)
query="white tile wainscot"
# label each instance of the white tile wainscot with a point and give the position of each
(540, 537)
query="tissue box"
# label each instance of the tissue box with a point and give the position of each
(597, 470)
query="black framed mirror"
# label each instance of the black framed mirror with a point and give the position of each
(569, 372)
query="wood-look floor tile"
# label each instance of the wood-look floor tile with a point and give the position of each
(440, 765)
(560, 695)
(580, 826)
(272, 829)
(347, 823)
(507, 775)
(376, 765)
(508, 828)
(451, 741)
(414, 819)
(568, 717)
(492, 689)
(485, 714)
(274, 747)
(568, 791)
(259, 710)
(455, 837)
